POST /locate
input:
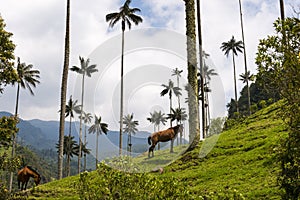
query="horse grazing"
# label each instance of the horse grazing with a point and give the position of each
(163, 136)
(24, 175)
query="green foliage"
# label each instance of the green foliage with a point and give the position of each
(279, 69)
(216, 125)
(8, 129)
(241, 165)
(119, 185)
(7, 72)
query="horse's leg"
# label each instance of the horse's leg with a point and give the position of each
(172, 143)
(25, 185)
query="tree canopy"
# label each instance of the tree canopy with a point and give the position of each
(7, 47)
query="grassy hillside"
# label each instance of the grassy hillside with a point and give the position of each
(238, 163)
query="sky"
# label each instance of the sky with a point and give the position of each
(152, 50)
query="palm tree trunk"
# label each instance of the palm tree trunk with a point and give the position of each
(64, 84)
(97, 149)
(84, 165)
(70, 126)
(14, 139)
(201, 70)
(235, 89)
(282, 15)
(245, 58)
(68, 156)
(194, 133)
(80, 124)
(122, 90)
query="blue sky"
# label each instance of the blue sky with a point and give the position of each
(38, 28)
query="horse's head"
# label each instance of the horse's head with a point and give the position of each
(37, 179)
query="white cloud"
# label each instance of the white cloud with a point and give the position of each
(39, 27)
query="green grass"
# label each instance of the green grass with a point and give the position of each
(242, 158)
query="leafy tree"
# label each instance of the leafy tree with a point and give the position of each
(216, 125)
(98, 127)
(194, 133)
(63, 95)
(233, 46)
(130, 128)
(86, 70)
(279, 67)
(7, 72)
(170, 89)
(126, 15)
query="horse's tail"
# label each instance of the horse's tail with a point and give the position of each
(149, 140)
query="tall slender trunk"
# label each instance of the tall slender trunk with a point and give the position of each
(97, 134)
(64, 85)
(234, 78)
(204, 123)
(245, 59)
(194, 133)
(14, 138)
(282, 15)
(84, 164)
(122, 90)
(68, 156)
(80, 123)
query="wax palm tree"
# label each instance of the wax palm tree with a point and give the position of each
(157, 118)
(170, 89)
(176, 72)
(63, 94)
(245, 57)
(208, 73)
(233, 46)
(69, 150)
(130, 128)
(192, 74)
(179, 115)
(87, 119)
(98, 127)
(246, 77)
(26, 78)
(126, 15)
(72, 107)
(84, 149)
(86, 70)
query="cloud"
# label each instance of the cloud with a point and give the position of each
(39, 31)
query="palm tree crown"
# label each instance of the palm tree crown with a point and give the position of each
(126, 15)
(72, 107)
(98, 127)
(170, 88)
(85, 68)
(232, 45)
(27, 77)
(130, 124)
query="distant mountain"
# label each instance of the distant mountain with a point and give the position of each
(43, 135)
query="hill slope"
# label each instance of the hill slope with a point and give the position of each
(242, 159)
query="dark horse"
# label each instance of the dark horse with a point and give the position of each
(24, 175)
(163, 136)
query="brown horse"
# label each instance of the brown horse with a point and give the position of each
(24, 175)
(163, 136)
